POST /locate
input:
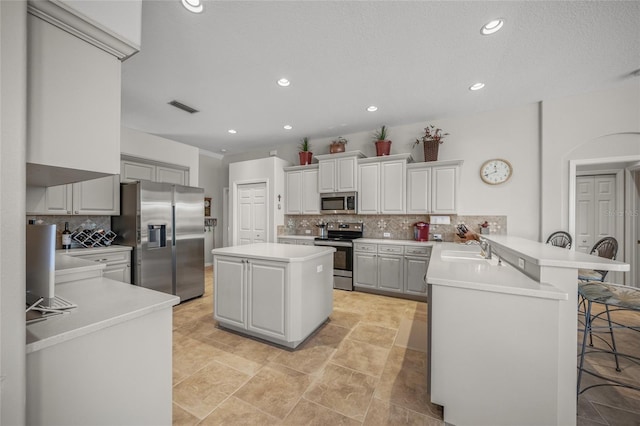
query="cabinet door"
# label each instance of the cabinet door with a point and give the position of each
(392, 187)
(97, 196)
(293, 200)
(58, 200)
(365, 270)
(443, 189)
(266, 291)
(170, 175)
(310, 194)
(327, 176)
(346, 174)
(415, 269)
(230, 287)
(390, 273)
(419, 191)
(368, 178)
(119, 272)
(131, 171)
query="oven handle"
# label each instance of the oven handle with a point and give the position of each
(333, 243)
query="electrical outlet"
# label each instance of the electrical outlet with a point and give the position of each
(437, 237)
(319, 268)
(386, 234)
(521, 263)
(307, 231)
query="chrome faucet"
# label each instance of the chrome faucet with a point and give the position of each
(485, 248)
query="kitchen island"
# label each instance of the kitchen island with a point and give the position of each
(107, 361)
(503, 331)
(278, 292)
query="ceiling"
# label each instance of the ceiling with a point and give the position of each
(414, 60)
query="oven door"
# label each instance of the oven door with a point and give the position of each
(342, 263)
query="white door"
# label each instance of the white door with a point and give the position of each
(635, 216)
(595, 210)
(252, 213)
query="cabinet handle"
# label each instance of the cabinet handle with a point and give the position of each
(68, 211)
(77, 212)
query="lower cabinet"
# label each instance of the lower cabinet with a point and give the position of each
(241, 302)
(298, 241)
(391, 268)
(117, 262)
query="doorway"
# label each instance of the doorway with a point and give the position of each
(596, 201)
(251, 224)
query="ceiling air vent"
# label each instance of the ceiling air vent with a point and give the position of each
(183, 107)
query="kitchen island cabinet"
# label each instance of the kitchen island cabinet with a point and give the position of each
(277, 292)
(518, 310)
(106, 362)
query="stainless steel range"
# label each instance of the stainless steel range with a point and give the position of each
(341, 235)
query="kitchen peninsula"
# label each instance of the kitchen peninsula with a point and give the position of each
(118, 338)
(278, 292)
(503, 331)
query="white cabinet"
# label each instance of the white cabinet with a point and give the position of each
(132, 170)
(297, 241)
(381, 184)
(93, 197)
(433, 187)
(250, 294)
(117, 261)
(73, 108)
(301, 190)
(391, 268)
(338, 172)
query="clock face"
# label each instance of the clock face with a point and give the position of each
(496, 171)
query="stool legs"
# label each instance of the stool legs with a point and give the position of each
(613, 339)
(587, 330)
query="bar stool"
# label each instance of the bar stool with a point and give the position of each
(606, 248)
(615, 298)
(560, 239)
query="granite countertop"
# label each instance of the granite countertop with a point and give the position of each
(275, 251)
(102, 303)
(93, 250)
(484, 275)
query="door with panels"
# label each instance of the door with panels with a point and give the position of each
(595, 210)
(252, 213)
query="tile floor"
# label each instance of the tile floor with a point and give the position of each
(367, 365)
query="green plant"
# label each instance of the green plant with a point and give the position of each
(431, 134)
(381, 134)
(305, 146)
(340, 139)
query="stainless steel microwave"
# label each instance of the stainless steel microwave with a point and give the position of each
(339, 203)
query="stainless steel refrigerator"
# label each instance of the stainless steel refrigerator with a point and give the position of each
(164, 223)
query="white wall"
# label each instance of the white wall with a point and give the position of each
(13, 71)
(573, 123)
(144, 145)
(211, 177)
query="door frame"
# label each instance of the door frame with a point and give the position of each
(234, 207)
(632, 220)
(626, 250)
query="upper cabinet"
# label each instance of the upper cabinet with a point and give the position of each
(432, 187)
(338, 172)
(93, 197)
(132, 170)
(301, 190)
(73, 95)
(381, 184)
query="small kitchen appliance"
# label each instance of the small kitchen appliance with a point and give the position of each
(421, 231)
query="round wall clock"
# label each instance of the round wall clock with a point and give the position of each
(496, 171)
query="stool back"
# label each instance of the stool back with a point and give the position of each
(560, 239)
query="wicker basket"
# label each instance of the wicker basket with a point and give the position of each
(431, 150)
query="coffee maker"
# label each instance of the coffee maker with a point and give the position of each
(421, 231)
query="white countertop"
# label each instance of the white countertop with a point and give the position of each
(101, 303)
(484, 276)
(395, 242)
(275, 251)
(547, 255)
(66, 264)
(93, 250)
(298, 237)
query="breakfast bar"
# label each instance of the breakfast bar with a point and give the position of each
(503, 331)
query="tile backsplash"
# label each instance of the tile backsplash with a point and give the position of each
(75, 223)
(400, 227)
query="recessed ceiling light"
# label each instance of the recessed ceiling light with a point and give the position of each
(283, 82)
(194, 6)
(232, 131)
(492, 27)
(477, 86)
(287, 127)
(372, 108)
(223, 150)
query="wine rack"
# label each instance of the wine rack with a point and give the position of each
(94, 237)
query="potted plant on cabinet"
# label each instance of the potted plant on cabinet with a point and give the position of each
(383, 146)
(338, 145)
(305, 154)
(431, 140)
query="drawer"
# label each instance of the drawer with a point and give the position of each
(366, 247)
(108, 258)
(419, 251)
(286, 241)
(390, 249)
